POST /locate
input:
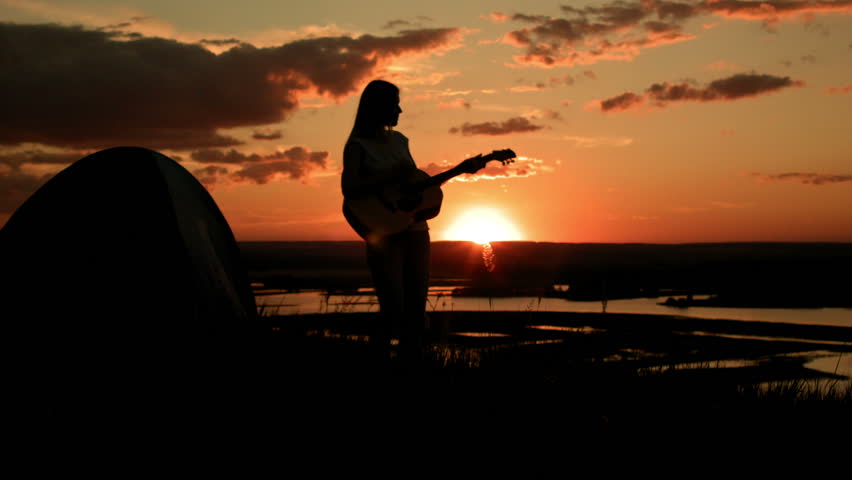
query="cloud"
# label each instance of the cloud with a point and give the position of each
(838, 90)
(295, 163)
(583, 37)
(521, 167)
(263, 173)
(16, 188)
(552, 82)
(209, 176)
(620, 29)
(594, 142)
(625, 101)
(88, 89)
(528, 88)
(396, 23)
(803, 178)
(15, 160)
(221, 42)
(496, 17)
(210, 155)
(267, 135)
(455, 103)
(772, 12)
(506, 127)
(417, 22)
(406, 78)
(545, 113)
(742, 85)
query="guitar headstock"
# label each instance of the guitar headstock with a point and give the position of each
(505, 156)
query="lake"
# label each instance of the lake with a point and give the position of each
(364, 300)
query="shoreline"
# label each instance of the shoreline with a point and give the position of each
(624, 321)
(635, 340)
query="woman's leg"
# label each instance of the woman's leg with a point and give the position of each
(416, 288)
(385, 260)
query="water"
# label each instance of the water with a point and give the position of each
(439, 299)
(317, 301)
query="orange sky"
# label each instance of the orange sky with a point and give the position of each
(635, 121)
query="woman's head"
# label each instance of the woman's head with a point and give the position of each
(378, 109)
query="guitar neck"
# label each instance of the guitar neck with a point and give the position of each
(442, 177)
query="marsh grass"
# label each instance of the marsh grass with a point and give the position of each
(795, 392)
(616, 373)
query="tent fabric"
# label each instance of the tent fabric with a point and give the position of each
(127, 233)
(121, 263)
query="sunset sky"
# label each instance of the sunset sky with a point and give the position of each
(634, 121)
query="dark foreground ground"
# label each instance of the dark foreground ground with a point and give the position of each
(486, 381)
(535, 370)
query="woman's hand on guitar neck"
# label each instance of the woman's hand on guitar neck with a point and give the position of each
(473, 164)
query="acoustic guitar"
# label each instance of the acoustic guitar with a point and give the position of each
(400, 205)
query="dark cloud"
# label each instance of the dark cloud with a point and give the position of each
(506, 127)
(223, 42)
(267, 135)
(772, 11)
(530, 18)
(660, 27)
(804, 178)
(613, 15)
(14, 160)
(418, 22)
(746, 85)
(677, 10)
(295, 163)
(624, 101)
(581, 37)
(210, 155)
(209, 176)
(395, 23)
(72, 87)
(735, 87)
(263, 173)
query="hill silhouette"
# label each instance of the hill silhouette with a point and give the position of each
(741, 274)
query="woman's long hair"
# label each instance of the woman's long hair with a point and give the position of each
(376, 100)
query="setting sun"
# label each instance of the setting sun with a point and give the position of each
(482, 225)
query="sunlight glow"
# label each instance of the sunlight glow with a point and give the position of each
(482, 225)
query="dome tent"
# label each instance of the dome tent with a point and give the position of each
(121, 263)
(128, 233)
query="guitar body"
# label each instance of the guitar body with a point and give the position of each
(392, 211)
(397, 208)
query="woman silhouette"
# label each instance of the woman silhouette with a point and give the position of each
(375, 156)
